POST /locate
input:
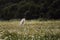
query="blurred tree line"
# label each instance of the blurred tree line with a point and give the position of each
(30, 9)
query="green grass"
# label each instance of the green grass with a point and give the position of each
(32, 30)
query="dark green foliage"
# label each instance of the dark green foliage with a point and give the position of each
(30, 9)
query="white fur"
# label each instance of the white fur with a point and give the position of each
(22, 22)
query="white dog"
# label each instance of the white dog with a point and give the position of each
(22, 22)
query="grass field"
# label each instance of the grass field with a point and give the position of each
(32, 30)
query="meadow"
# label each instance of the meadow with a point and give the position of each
(32, 30)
